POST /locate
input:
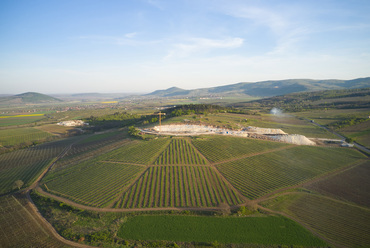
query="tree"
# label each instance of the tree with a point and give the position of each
(349, 140)
(133, 131)
(18, 184)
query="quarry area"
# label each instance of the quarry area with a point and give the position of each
(251, 132)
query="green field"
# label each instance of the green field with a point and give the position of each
(247, 230)
(179, 186)
(95, 184)
(15, 121)
(345, 224)
(15, 136)
(258, 175)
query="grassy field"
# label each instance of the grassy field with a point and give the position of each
(220, 148)
(258, 175)
(345, 224)
(10, 137)
(20, 120)
(179, 186)
(348, 185)
(95, 184)
(19, 228)
(251, 230)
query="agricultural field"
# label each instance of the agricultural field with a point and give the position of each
(345, 224)
(92, 183)
(359, 132)
(261, 174)
(138, 152)
(271, 230)
(6, 121)
(27, 164)
(180, 151)
(19, 228)
(220, 148)
(179, 186)
(15, 136)
(348, 185)
(55, 129)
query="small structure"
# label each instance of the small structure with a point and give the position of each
(72, 123)
(345, 144)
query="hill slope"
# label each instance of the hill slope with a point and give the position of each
(268, 88)
(29, 97)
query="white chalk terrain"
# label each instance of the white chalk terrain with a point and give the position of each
(267, 133)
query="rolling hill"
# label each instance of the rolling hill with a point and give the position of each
(267, 88)
(29, 97)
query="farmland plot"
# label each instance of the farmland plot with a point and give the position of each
(258, 175)
(27, 164)
(180, 151)
(92, 146)
(16, 136)
(221, 148)
(178, 186)
(19, 228)
(139, 152)
(349, 185)
(345, 224)
(93, 183)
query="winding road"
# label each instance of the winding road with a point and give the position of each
(361, 147)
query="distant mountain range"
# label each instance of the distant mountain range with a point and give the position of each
(266, 88)
(28, 97)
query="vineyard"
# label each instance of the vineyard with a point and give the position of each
(347, 225)
(27, 164)
(180, 151)
(221, 148)
(91, 147)
(258, 175)
(139, 152)
(19, 228)
(178, 186)
(16, 136)
(348, 185)
(93, 183)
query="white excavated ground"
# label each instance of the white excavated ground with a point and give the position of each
(253, 132)
(294, 139)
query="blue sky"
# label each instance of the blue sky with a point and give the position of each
(68, 46)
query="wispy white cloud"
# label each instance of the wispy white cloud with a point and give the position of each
(194, 45)
(156, 4)
(124, 40)
(131, 35)
(274, 20)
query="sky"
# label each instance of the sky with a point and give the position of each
(138, 46)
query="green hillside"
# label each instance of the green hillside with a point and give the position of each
(267, 88)
(29, 97)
